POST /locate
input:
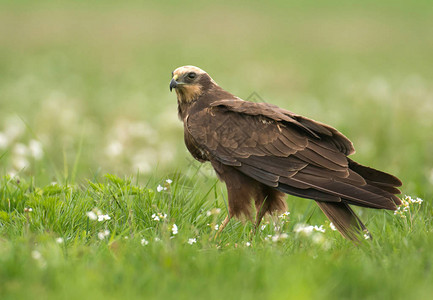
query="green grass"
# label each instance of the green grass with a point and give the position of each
(84, 92)
(54, 251)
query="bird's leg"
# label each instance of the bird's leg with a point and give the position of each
(259, 217)
(224, 223)
(222, 226)
(261, 209)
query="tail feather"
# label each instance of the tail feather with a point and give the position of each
(344, 219)
(379, 179)
(389, 188)
(373, 174)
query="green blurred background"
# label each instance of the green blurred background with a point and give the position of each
(84, 84)
(84, 91)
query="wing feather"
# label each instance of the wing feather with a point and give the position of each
(292, 153)
(260, 175)
(308, 193)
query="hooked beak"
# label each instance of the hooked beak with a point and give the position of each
(173, 84)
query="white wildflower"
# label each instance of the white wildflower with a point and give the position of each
(213, 211)
(216, 227)
(14, 128)
(157, 239)
(318, 238)
(263, 227)
(114, 149)
(247, 244)
(278, 237)
(4, 141)
(419, 200)
(319, 228)
(366, 236)
(308, 229)
(35, 148)
(92, 215)
(96, 214)
(332, 226)
(169, 181)
(20, 149)
(284, 215)
(103, 234)
(20, 162)
(303, 228)
(174, 229)
(416, 200)
(144, 242)
(406, 204)
(59, 240)
(159, 216)
(192, 241)
(28, 209)
(13, 174)
(321, 240)
(142, 163)
(103, 218)
(160, 188)
(36, 255)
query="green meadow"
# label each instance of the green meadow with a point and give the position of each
(99, 198)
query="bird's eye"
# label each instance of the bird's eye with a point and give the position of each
(191, 75)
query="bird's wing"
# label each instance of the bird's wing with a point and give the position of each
(294, 154)
(314, 128)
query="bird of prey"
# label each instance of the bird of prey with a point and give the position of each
(263, 152)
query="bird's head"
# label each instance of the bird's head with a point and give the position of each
(189, 82)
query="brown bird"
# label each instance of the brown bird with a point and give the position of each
(262, 151)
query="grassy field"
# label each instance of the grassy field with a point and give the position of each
(100, 199)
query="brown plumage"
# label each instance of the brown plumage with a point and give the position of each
(262, 151)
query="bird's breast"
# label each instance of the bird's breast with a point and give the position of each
(197, 152)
